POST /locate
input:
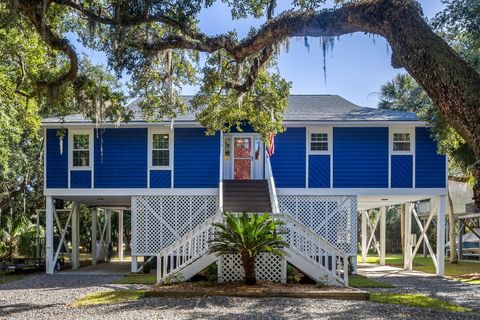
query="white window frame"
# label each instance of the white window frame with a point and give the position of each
(71, 133)
(395, 130)
(325, 130)
(151, 132)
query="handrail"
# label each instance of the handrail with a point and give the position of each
(220, 178)
(185, 248)
(294, 228)
(271, 186)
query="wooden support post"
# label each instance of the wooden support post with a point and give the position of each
(76, 236)
(461, 229)
(120, 235)
(94, 236)
(134, 263)
(441, 235)
(407, 258)
(364, 236)
(49, 206)
(383, 234)
(108, 217)
(424, 242)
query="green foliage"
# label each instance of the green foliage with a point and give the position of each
(17, 236)
(250, 234)
(416, 300)
(147, 267)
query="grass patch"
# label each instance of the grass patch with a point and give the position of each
(137, 279)
(108, 297)
(416, 300)
(359, 282)
(10, 276)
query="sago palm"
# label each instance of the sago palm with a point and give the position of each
(248, 236)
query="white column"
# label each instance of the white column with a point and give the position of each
(49, 234)
(383, 234)
(408, 259)
(134, 263)
(364, 236)
(94, 236)
(108, 216)
(76, 236)
(120, 235)
(441, 235)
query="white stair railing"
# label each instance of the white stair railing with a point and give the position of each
(187, 249)
(314, 250)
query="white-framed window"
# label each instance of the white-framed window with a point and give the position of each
(402, 141)
(81, 142)
(160, 149)
(320, 141)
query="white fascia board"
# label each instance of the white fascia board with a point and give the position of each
(387, 123)
(287, 123)
(132, 192)
(427, 192)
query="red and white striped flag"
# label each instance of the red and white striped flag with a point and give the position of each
(271, 145)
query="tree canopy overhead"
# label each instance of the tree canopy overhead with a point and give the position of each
(158, 43)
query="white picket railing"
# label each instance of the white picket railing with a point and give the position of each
(317, 254)
(186, 250)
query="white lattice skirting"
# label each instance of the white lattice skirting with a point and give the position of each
(268, 267)
(332, 217)
(158, 221)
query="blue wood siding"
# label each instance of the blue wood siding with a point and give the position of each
(196, 159)
(319, 171)
(160, 178)
(360, 157)
(430, 167)
(402, 171)
(57, 163)
(80, 179)
(124, 160)
(289, 160)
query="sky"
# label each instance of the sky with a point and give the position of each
(356, 68)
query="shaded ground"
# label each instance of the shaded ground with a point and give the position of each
(45, 297)
(464, 294)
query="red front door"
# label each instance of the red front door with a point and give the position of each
(242, 158)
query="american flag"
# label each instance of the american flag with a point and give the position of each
(271, 145)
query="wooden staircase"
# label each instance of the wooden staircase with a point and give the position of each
(246, 195)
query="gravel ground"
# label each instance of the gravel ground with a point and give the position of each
(45, 297)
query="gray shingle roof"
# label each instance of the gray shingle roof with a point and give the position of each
(300, 108)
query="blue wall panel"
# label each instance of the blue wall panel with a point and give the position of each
(319, 171)
(57, 164)
(360, 157)
(124, 160)
(160, 178)
(430, 167)
(289, 160)
(402, 171)
(197, 159)
(80, 179)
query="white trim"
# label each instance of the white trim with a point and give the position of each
(319, 129)
(90, 167)
(326, 130)
(287, 123)
(401, 129)
(150, 166)
(409, 130)
(254, 162)
(427, 192)
(131, 192)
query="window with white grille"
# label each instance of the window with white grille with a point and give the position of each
(402, 141)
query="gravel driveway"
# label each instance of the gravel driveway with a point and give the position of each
(45, 297)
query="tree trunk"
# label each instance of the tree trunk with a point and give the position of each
(249, 267)
(451, 229)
